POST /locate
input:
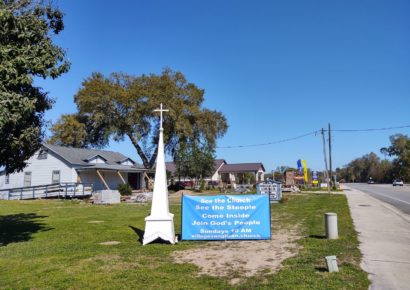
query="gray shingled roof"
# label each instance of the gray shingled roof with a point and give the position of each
(125, 168)
(242, 167)
(170, 166)
(78, 156)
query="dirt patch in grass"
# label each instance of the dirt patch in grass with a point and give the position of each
(240, 259)
(104, 263)
(110, 243)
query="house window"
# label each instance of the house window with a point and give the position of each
(7, 181)
(42, 154)
(55, 177)
(27, 178)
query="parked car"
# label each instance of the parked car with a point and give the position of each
(188, 183)
(370, 181)
(398, 182)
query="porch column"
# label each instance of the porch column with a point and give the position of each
(122, 178)
(79, 177)
(102, 179)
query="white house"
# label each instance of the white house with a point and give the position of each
(218, 163)
(58, 165)
(228, 172)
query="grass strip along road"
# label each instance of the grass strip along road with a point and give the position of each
(49, 244)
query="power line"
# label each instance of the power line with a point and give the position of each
(312, 133)
(370, 129)
(271, 143)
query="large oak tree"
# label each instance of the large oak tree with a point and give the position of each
(122, 106)
(400, 149)
(27, 51)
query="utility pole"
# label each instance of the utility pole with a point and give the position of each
(330, 157)
(324, 155)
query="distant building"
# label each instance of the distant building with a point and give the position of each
(225, 173)
(57, 164)
(218, 163)
(230, 172)
(293, 177)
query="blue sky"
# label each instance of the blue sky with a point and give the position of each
(276, 69)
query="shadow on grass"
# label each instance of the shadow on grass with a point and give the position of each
(139, 232)
(319, 237)
(16, 228)
(321, 269)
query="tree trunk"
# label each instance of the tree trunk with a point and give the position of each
(148, 164)
(153, 157)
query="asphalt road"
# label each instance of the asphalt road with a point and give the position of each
(397, 196)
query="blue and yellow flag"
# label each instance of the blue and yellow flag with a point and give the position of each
(299, 163)
(305, 171)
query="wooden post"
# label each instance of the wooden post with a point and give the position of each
(122, 178)
(147, 185)
(324, 155)
(79, 178)
(102, 179)
(330, 159)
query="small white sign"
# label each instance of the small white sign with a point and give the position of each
(270, 188)
(323, 185)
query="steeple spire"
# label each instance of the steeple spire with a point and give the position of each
(160, 223)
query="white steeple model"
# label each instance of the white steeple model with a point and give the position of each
(160, 223)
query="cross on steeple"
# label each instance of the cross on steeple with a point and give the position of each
(161, 110)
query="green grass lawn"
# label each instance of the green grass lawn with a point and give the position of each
(47, 244)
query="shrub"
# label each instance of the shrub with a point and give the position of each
(176, 186)
(124, 189)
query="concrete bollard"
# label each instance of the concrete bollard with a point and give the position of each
(331, 225)
(331, 263)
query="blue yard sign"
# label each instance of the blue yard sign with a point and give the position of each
(226, 217)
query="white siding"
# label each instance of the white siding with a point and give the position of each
(91, 177)
(127, 162)
(2, 179)
(41, 172)
(215, 177)
(260, 176)
(97, 159)
(111, 178)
